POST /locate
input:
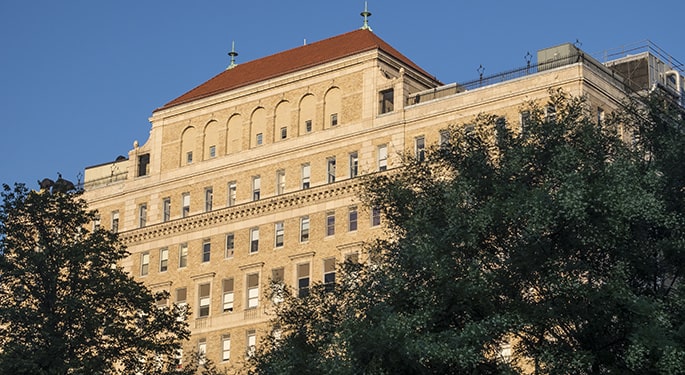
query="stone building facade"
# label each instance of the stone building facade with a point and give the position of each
(253, 175)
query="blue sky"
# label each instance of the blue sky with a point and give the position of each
(79, 79)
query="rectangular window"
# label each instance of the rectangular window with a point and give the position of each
(444, 138)
(329, 273)
(277, 279)
(254, 240)
(420, 148)
(259, 139)
(304, 229)
(115, 221)
(600, 115)
(551, 113)
(142, 215)
(96, 223)
(306, 171)
(231, 193)
(144, 263)
(251, 342)
(302, 279)
(183, 255)
(279, 234)
(330, 169)
(375, 216)
(212, 151)
(308, 126)
(225, 348)
(162, 302)
(206, 251)
(209, 198)
(189, 157)
(334, 119)
(166, 209)
(280, 182)
(524, 119)
(227, 300)
(500, 126)
(143, 165)
(352, 257)
(382, 157)
(181, 294)
(256, 187)
(387, 100)
(252, 290)
(330, 223)
(185, 209)
(202, 351)
(163, 260)
(230, 245)
(352, 222)
(284, 133)
(203, 300)
(354, 164)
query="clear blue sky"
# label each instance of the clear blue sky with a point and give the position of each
(79, 79)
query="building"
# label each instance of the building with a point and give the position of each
(252, 176)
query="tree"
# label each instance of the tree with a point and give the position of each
(66, 305)
(561, 240)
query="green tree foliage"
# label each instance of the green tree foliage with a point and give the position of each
(66, 306)
(562, 240)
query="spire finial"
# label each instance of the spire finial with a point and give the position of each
(233, 54)
(366, 14)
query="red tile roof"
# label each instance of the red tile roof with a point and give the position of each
(292, 60)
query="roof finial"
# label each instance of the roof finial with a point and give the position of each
(366, 14)
(233, 54)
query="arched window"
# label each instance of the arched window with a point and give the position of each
(188, 143)
(258, 127)
(282, 128)
(307, 114)
(234, 134)
(332, 108)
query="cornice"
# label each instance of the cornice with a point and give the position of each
(225, 215)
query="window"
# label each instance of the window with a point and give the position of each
(202, 351)
(251, 342)
(352, 257)
(162, 302)
(420, 148)
(252, 290)
(203, 300)
(279, 234)
(551, 113)
(209, 197)
(183, 255)
(212, 151)
(525, 121)
(96, 223)
(306, 170)
(166, 209)
(302, 279)
(354, 164)
(330, 223)
(142, 215)
(259, 138)
(278, 285)
(254, 240)
(181, 294)
(225, 348)
(444, 138)
(115, 221)
(143, 165)
(382, 157)
(206, 251)
(231, 193)
(163, 259)
(329, 273)
(375, 216)
(500, 126)
(308, 126)
(387, 99)
(352, 223)
(280, 182)
(256, 186)
(144, 263)
(330, 169)
(185, 209)
(304, 229)
(230, 245)
(334, 119)
(284, 133)
(227, 299)
(600, 115)
(189, 157)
